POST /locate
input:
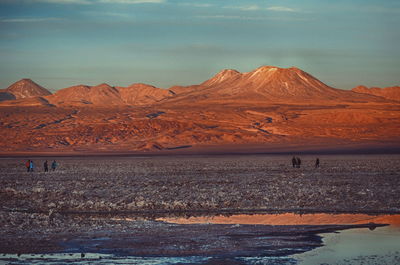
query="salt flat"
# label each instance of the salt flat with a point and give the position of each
(89, 198)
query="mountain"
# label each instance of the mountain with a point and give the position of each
(106, 95)
(26, 88)
(179, 90)
(102, 94)
(268, 107)
(264, 84)
(224, 76)
(391, 93)
(142, 94)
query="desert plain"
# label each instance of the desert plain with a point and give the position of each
(273, 108)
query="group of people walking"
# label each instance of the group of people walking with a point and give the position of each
(30, 166)
(296, 162)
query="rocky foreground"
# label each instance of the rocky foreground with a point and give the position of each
(230, 183)
(81, 207)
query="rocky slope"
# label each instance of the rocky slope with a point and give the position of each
(142, 94)
(103, 94)
(26, 88)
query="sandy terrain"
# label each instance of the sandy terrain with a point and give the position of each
(124, 129)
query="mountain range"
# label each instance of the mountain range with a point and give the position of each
(269, 106)
(266, 83)
(391, 93)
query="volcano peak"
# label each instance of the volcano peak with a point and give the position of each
(26, 88)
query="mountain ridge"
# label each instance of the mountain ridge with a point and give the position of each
(263, 84)
(24, 88)
(391, 93)
(267, 84)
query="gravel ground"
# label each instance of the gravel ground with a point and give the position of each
(212, 184)
(78, 207)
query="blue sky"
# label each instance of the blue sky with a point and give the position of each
(59, 43)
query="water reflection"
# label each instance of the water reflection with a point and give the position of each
(349, 247)
(356, 246)
(316, 238)
(289, 219)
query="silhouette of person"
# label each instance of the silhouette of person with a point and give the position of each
(31, 166)
(294, 162)
(46, 166)
(298, 162)
(28, 165)
(54, 165)
(317, 162)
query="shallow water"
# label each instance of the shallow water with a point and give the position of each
(96, 258)
(354, 246)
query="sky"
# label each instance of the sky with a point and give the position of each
(60, 43)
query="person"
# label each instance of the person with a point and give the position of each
(54, 165)
(46, 166)
(31, 166)
(317, 163)
(28, 165)
(298, 163)
(294, 162)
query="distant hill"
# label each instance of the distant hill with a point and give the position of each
(392, 93)
(26, 88)
(106, 95)
(103, 94)
(142, 94)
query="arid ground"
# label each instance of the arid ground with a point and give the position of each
(87, 197)
(346, 183)
(275, 107)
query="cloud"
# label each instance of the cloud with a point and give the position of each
(197, 4)
(27, 20)
(87, 2)
(258, 8)
(109, 14)
(232, 17)
(248, 8)
(132, 1)
(81, 2)
(252, 18)
(281, 9)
